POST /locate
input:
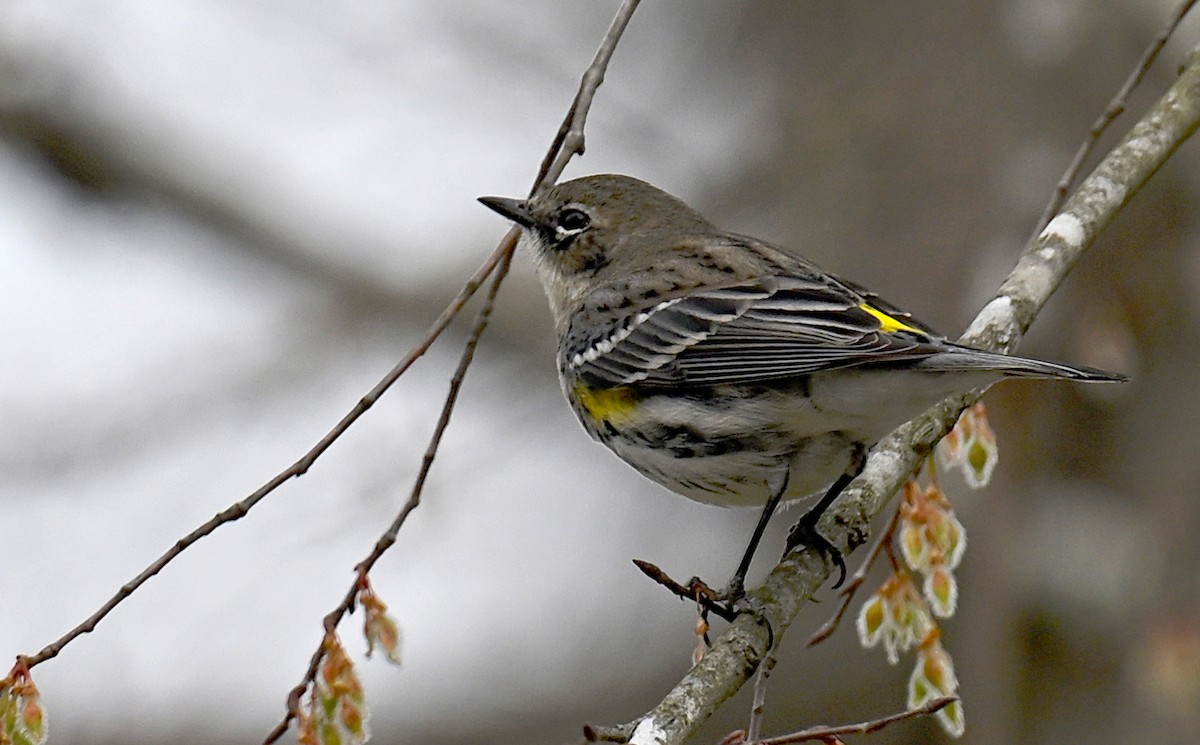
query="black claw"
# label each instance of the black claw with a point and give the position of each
(840, 562)
(804, 532)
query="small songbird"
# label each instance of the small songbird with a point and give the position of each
(725, 368)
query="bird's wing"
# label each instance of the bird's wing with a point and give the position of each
(769, 328)
(872, 298)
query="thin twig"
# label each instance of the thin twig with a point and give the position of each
(758, 706)
(241, 508)
(851, 589)
(573, 136)
(566, 144)
(569, 141)
(862, 728)
(686, 592)
(334, 617)
(1115, 108)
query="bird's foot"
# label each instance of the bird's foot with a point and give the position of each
(804, 533)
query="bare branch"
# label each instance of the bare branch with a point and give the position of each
(1115, 108)
(827, 734)
(700, 594)
(999, 326)
(862, 728)
(619, 733)
(334, 617)
(759, 705)
(567, 143)
(241, 508)
(569, 140)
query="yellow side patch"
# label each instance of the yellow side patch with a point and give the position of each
(606, 404)
(890, 325)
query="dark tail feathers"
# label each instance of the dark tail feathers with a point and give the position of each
(965, 358)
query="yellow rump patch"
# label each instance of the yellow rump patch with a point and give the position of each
(606, 404)
(890, 325)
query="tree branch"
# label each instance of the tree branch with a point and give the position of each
(334, 617)
(999, 326)
(1115, 108)
(240, 509)
(567, 143)
(827, 734)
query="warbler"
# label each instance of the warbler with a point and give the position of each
(723, 367)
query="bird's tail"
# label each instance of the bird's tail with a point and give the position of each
(960, 358)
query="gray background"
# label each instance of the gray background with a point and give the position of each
(221, 222)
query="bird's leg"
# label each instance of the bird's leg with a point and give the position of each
(737, 585)
(804, 532)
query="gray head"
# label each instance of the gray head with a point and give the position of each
(589, 230)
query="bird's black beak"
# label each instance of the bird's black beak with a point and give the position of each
(514, 209)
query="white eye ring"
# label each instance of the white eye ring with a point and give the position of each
(571, 221)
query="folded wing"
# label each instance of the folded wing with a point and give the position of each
(770, 328)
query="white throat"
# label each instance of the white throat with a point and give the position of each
(564, 291)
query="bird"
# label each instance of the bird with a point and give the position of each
(724, 367)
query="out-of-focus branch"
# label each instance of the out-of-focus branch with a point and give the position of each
(999, 326)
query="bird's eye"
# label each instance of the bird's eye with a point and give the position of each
(573, 220)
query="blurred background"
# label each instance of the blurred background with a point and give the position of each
(222, 222)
